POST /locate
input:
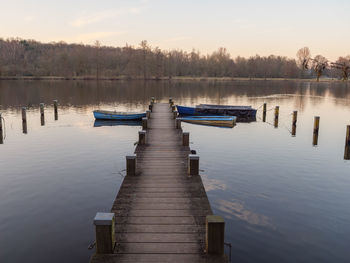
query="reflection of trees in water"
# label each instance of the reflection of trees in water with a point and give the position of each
(137, 93)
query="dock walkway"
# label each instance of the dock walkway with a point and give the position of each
(160, 212)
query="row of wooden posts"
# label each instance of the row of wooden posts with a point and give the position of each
(24, 118)
(315, 129)
(105, 222)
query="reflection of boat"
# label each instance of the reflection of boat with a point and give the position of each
(101, 123)
(243, 113)
(221, 121)
(113, 115)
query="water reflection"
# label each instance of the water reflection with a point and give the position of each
(101, 123)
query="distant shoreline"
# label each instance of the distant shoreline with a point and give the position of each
(124, 78)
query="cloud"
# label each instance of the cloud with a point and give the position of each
(86, 19)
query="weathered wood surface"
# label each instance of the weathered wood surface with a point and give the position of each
(160, 212)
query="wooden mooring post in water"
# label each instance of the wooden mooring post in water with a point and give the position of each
(24, 120)
(294, 123)
(42, 114)
(347, 144)
(1, 130)
(55, 106)
(316, 130)
(264, 113)
(277, 110)
(162, 212)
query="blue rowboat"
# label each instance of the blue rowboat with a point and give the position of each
(243, 113)
(183, 110)
(113, 115)
(220, 121)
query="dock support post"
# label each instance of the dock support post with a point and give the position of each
(1, 131)
(148, 114)
(347, 144)
(193, 164)
(178, 123)
(171, 102)
(105, 233)
(277, 111)
(131, 165)
(144, 123)
(55, 106)
(264, 112)
(185, 139)
(294, 123)
(173, 108)
(215, 234)
(175, 114)
(150, 107)
(316, 130)
(142, 137)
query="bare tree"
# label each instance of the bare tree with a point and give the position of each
(97, 46)
(303, 56)
(343, 64)
(319, 64)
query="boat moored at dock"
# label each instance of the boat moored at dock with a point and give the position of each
(113, 115)
(243, 113)
(219, 121)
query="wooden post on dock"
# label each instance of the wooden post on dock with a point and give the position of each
(186, 139)
(175, 114)
(171, 103)
(148, 114)
(105, 233)
(144, 123)
(294, 123)
(1, 131)
(173, 108)
(316, 130)
(55, 106)
(347, 144)
(178, 123)
(193, 165)
(131, 165)
(142, 137)
(264, 113)
(215, 234)
(150, 107)
(277, 111)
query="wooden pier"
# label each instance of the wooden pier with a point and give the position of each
(161, 213)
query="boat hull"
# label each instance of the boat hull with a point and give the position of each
(243, 113)
(218, 121)
(105, 115)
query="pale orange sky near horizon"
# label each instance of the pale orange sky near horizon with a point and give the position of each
(244, 28)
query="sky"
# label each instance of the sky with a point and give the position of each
(244, 28)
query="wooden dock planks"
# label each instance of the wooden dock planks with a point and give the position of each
(160, 212)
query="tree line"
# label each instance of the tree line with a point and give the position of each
(19, 57)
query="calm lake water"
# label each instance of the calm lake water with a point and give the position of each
(283, 199)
